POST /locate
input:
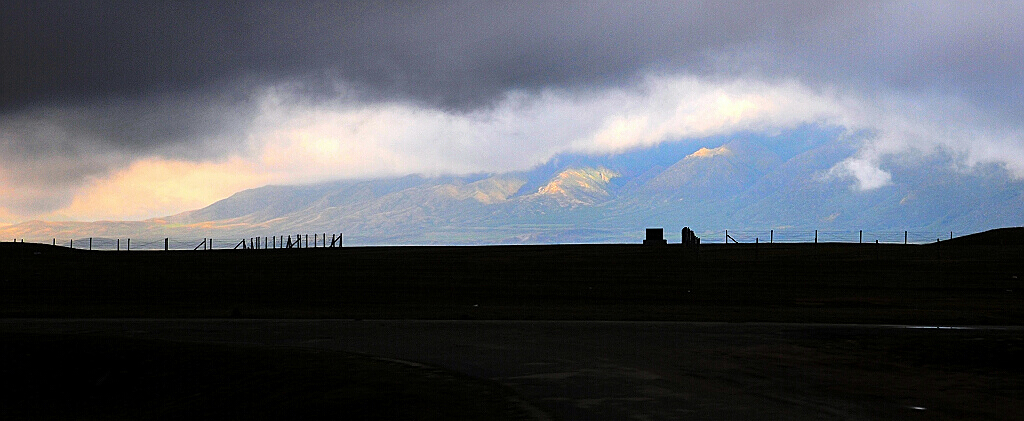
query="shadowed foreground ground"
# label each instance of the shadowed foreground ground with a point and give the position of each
(591, 370)
(949, 283)
(109, 377)
(559, 346)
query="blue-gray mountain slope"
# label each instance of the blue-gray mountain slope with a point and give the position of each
(746, 182)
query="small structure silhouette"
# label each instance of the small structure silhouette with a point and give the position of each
(689, 238)
(655, 237)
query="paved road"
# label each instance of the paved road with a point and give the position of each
(649, 370)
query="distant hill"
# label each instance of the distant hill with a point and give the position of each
(1012, 236)
(746, 182)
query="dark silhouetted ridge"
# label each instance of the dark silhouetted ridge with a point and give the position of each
(1012, 236)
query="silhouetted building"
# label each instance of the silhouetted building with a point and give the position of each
(655, 236)
(689, 238)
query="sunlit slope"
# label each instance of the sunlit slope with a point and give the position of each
(577, 187)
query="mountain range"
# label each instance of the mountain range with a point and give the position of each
(746, 182)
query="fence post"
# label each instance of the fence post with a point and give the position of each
(861, 241)
(118, 244)
(165, 243)
(72, 244)
(772, 238)
(129, 248)
(815, 236)
(90, 243)
(307, 241)
(904, 237)
(726, 236)
(55, 241)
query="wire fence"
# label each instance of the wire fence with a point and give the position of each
(318, 240)
(817, 236)
(327, 240)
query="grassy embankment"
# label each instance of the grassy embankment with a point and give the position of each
(971, 280)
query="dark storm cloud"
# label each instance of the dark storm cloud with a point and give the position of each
(461, 54)
(971, 50)
(182, 79)
(150, 123)
(451, 54)
(146, 77)
(74, 51)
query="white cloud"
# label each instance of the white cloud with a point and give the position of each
(297, 141)
(867, 175)
(313, 142)
(302, 142)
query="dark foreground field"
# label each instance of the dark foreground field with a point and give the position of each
(53, 376)
(783, 331)
(955, 282)
(585, 370)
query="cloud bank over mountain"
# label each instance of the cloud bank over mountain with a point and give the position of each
(748, 184)
(115, 111)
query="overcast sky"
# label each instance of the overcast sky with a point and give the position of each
(130, 110)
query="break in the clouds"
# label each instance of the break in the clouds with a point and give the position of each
(111, 110)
